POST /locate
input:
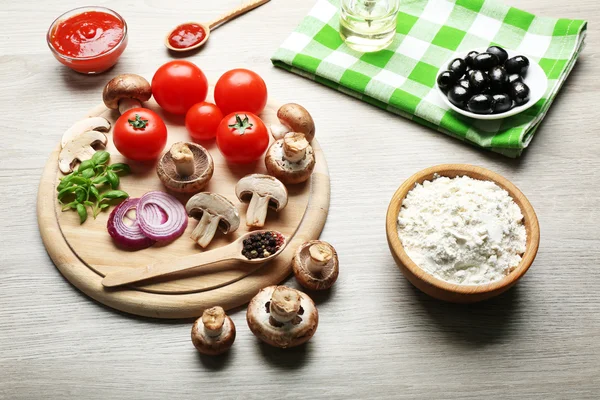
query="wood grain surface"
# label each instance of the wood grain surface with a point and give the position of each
(378, 337)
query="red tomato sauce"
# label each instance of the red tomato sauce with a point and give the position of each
(88, 34)
(186, 35)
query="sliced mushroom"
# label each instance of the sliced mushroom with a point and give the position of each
(185, 168)
(291, 159)
(80, 149)
(89, 124)
(263, 191)
(213, 211)
(293, 118)
(282, 316)
(214, 332)
(316, 265)
(126, 91)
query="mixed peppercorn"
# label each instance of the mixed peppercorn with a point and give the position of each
(262, 244)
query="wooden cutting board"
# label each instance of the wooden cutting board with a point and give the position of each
(85, 253)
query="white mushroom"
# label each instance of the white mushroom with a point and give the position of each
(99, 124)
(293, 118)
(79, 149)
(126, 91)
(263, 191)
(316, 265)
(214, 332)
(282, 316)
(291, 159)
(185, 168)
(213, 211)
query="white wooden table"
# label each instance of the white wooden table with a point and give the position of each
(378, 337)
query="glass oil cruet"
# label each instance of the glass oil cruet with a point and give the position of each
(368, 25)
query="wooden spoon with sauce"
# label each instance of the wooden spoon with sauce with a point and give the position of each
(191, 35)
(232, 251)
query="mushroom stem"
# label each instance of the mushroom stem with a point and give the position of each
(128, 104)
(285, 304)
(257, 211)
(320, 255)
(294, 146)
(213, 320)
(183, 158)
(204, 232)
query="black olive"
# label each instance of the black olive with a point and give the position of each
(458, 96)
(479, 81)
(498, 79)
(519, 93)
(458, 66)
(503, 103)
(485, 61)
(515, 78)
(464, 83)
(446, 80)
(517, 65)
(470, 58)
(498, 52)
(481, 104)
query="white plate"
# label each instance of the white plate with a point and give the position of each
(536, 80)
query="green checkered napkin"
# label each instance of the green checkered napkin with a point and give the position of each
(401, 78)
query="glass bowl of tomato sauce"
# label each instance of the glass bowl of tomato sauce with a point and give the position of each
(89, 40)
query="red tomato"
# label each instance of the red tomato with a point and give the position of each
(241, 90)
(178, 85)
(202, 120)
(140, 134)
(242, 138)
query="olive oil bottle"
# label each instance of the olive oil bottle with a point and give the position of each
(368, 25)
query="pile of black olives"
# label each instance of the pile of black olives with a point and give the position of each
(486, 83)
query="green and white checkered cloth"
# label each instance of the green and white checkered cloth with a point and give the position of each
(401, 78)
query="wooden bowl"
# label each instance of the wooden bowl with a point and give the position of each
(447, 291)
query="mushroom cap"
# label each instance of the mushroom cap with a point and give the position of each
(263, 185)
(126, 86)
(204, 168)
(298, 119)
(289, 172)
(214, 204)
(213, 345)
(81, 148)
(289, 334)
(329, 273)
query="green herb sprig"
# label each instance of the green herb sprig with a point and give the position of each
(88, 186)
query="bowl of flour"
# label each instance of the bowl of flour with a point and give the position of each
(462, 233)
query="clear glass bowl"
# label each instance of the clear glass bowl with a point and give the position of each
(93, 64)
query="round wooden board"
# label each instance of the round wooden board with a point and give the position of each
(85, 253)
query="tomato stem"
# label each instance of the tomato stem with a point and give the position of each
(138, 122)
(241, 124)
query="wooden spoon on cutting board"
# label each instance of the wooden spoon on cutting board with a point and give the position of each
(232, 251)
(214, 24)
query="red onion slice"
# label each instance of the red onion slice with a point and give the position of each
(123, 226)
(155, 228)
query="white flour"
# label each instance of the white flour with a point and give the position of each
(462, 230)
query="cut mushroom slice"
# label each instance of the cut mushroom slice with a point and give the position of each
(80, 149)
(282, 316)
(262, 191)
(316, 265)
(185, 168)
(214, 332)
(213, 211)
(293, 118)
(126, 91)
(89, 124)
(291, 159)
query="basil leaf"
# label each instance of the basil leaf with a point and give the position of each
(101, 157)
(66, 191)
(113, 179)
(94, 191)
(79, 180)
(99, 180)
(120, 167)
(103, 206)
(82, 213)
(79, 195)
(88, 173)
(87, 164)
(114, 194)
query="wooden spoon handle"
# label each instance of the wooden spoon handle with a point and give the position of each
(235, 13)
(134, 275)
